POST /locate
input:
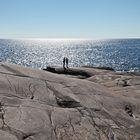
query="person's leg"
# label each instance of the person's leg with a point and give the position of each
(67, 62)
(64, 60)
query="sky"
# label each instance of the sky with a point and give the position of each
(90, 19)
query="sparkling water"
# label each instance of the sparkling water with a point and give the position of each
(120, 54)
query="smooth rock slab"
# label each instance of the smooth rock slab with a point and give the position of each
(6, 136)
(39, 105)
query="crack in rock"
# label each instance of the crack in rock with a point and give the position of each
(128, 109)
(67, 102)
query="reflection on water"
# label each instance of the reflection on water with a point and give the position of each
(120, 54)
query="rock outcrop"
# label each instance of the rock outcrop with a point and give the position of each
(41, 105)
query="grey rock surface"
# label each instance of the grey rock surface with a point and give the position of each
(40, 105)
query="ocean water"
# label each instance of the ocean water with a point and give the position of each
(120, 54)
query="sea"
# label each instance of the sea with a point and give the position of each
(119, 54)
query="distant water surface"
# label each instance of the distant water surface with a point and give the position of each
(120, 54)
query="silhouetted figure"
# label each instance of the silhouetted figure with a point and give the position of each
(64, 60)
(67, 60)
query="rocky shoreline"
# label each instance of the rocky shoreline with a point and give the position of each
(73, 104)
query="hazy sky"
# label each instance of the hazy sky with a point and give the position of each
(69, 18)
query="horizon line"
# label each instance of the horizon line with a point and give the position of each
(71, 38)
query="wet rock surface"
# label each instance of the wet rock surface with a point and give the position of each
(40, 105)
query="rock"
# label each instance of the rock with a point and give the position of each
(105, 68)
(100, 67)
(51, 69)
(6, 136)
(69, 71)
(40, 105)
(67, 102)
(128, 110)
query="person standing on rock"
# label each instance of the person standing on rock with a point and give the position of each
(64, 60)
(67, 60)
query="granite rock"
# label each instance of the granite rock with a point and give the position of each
(41, 105)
